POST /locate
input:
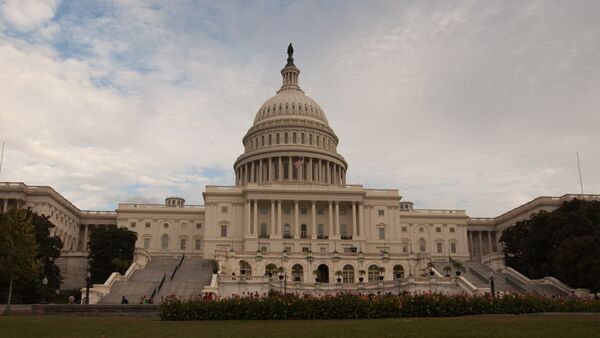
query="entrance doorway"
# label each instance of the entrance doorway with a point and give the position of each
(323, 274)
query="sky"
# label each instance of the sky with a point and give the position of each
(475, 105)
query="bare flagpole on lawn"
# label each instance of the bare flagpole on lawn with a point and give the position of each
(580, 179)
(1, 159)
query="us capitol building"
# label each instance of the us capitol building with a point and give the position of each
(292, 221)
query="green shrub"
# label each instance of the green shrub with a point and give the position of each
(347, 306)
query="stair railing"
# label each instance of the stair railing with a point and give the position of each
(515, 285)
(178, 266)
(478, 275)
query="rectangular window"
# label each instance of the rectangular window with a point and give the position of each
(323, 250)
(439, 247)
(198, 225)
(146, 243)
(438, 229)
(287, 249)
(132, 224)
(287, 211)
(343, 211)
(198, 244)
(147, 224)
(404, 247)
(263, 249)
(305, 249)
(303, 211)
(223, 230)
(224, 209)
(381, 212)
(452, 230)
(320, 211)
(263, 211)
(182, 244)
(404, 229)
(381, 233)
(184, 226)
(453, 247)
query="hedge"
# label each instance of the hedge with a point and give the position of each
(347, 306)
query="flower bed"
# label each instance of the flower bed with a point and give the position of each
(346, 306)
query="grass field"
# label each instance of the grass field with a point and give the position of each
(551, 325)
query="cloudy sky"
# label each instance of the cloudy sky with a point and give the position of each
(476, 105)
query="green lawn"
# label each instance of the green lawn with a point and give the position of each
(551, 325)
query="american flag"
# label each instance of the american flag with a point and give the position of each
(299, 162)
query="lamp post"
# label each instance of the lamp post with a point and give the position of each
(88, 279)
(44, 283)
(492, 287)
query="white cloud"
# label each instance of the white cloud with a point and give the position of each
(28, 14)
(473, 105)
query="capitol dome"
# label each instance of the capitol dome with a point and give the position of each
(290, 139)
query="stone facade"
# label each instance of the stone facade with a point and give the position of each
(290, 207)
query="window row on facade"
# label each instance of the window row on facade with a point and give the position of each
(291, 137)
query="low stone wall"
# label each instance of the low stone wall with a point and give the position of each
(144, 310)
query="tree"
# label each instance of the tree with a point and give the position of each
(564, 243)
(111, 250)
(18, 250)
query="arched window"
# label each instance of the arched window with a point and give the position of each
(262, 141)
(302, 138)
(147, 243)
(277, 138)
(285, 138)
(398, 271)
(245, 268)
(270, 139)
(373, 273)
(294, 138)
(310, 139)
(348, 274)
(297, 273)
(422, 246)
(165, 242)
(318, 141)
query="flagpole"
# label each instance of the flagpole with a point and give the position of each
(580, 179)
(1, 158)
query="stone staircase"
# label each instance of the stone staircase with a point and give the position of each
(192, 276)
(479, 275)
(142, 282)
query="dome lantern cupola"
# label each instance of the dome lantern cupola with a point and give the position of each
(290, 139)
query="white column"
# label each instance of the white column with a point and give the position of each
(248, 219)
(470, 240)
(296, 225)
(255, 220)
(353, 220)
(309, 174)
(290, 176)
(314, 220)
(489, 233)
(480, 244)
(361, 219)
(337, 218)
(252, 172)
(260, 171)
(85, 237)
(278, 216)
(330, 220)
(273, 231)
(280, 170)
(271, 176)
